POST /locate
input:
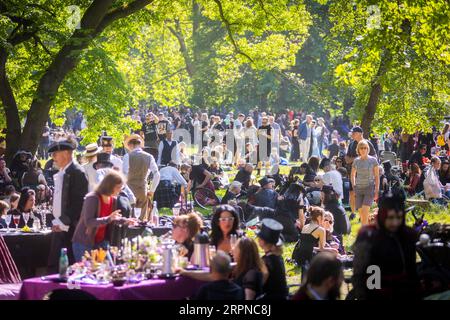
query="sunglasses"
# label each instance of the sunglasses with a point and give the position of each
(226, 219)
(329, 221)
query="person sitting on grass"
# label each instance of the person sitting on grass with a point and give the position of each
(221, 287)
(244, 176)
(233, 192)
(312, 238)
(266, 196)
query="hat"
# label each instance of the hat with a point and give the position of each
(91, 150)
(357, 129)
(107, 139)
(103, 158)
(271, 231)
(62, 145)
(131, 137)
(265, 180)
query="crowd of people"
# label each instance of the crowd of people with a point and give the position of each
(332, 167)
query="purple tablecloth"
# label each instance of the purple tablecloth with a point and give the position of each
(155, 289)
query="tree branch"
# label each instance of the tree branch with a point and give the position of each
(170, 75)
(230, 33)
(183, 49)
(39, 41)
(122, 12)
(261, 3)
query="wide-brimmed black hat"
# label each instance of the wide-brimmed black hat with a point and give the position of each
(103, 158)
(265, 180)
(271, 231)
(62, 145)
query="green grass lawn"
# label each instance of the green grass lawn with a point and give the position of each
(432, 213)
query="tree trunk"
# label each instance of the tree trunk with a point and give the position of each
(375, 93)
(13, 132)
(64, 62)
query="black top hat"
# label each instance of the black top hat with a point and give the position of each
(271, 231)
(103, 158)
(357, 129)
(61, 145)
(265, 180)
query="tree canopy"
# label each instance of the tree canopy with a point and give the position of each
(384, 63)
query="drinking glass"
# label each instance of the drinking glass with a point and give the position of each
(16, 219)
(44, 219)
(26, 217)
(8, 221)
(233, 241)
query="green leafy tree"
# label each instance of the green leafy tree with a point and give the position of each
(395, 56)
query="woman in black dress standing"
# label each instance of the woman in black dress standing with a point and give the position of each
(275, 288)
(295, 154)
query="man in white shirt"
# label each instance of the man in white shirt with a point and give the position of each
(332, 177)
(169, 188)
(91, 156)
(71, 185)
(168, 150)
(137, 165)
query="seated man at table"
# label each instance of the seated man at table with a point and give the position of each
(221, 288)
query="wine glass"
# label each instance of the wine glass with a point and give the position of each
(233, 241)
(16, 219)
(8, 221)
(26, 217)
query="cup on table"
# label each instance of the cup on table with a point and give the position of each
(176, 211)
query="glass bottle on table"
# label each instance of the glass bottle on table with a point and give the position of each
(63, 264)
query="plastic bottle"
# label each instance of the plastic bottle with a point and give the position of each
(155, 214)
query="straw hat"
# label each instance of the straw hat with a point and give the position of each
(91, 150)
(133, 136)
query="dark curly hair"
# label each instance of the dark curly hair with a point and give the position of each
(216, 233)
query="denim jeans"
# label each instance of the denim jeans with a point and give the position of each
(79, 249)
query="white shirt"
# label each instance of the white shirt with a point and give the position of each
(152, 168)
(172, 174)
(91, 174)
(58, 179)
(334, 178)
(117, 162)
(174, 157)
